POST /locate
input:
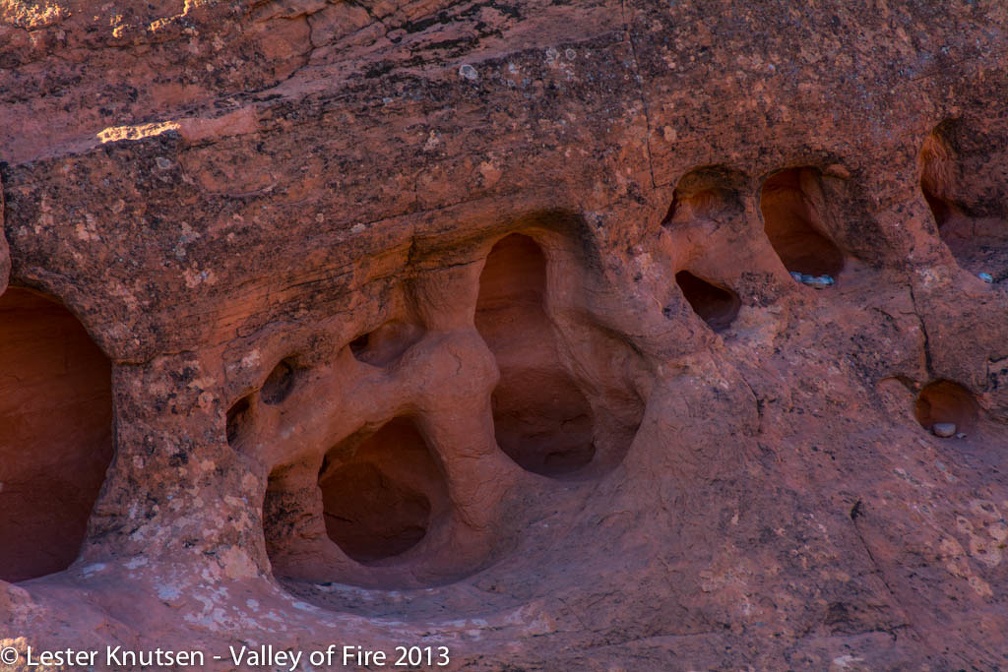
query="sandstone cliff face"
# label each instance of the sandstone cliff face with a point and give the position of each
(474, 324)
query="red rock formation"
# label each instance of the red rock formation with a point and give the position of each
(472, 324)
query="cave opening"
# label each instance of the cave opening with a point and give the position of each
(969, 211)
(937, 181)
(946, 402)
(55, 433)
(542, 419)
(717, 306)
(381, 493)
(791, 203)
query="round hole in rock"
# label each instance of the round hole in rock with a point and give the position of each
(381, 493)
(359, 345)
(55, 434)
(385, 344)
(716, 306)
(791, 203)
(542, 419)
(945, 401)
(278, 384)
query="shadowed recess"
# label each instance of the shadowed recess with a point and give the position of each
(542, 420)
(381, 493)
(945, 401)
(386, 344)
(239, 420)
(55, 434)
(716, 306)
(709, 192)
(792, 203)
(964, 184)
(279, 383)
(937, 182)
(274, 391)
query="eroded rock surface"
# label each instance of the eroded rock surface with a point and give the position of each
(473, 324)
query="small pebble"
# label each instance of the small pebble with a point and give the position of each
(944, 430)
(818, 282)
(986, 277)
(468, 72)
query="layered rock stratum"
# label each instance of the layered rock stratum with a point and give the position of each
(603, 336)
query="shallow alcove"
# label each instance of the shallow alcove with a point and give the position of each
(542, 419)
(709, 192)
(382, 492)
(55, 433)
(385, 344)
(937, 177)
(274, 390)
(717, 306)
(791, 203)
(945, 401)
(279, 383)
(965, 193)
(239, 421)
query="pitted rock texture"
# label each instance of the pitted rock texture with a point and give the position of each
(474, 324)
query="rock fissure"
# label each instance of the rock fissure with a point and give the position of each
(929, 367)
(628, 32)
